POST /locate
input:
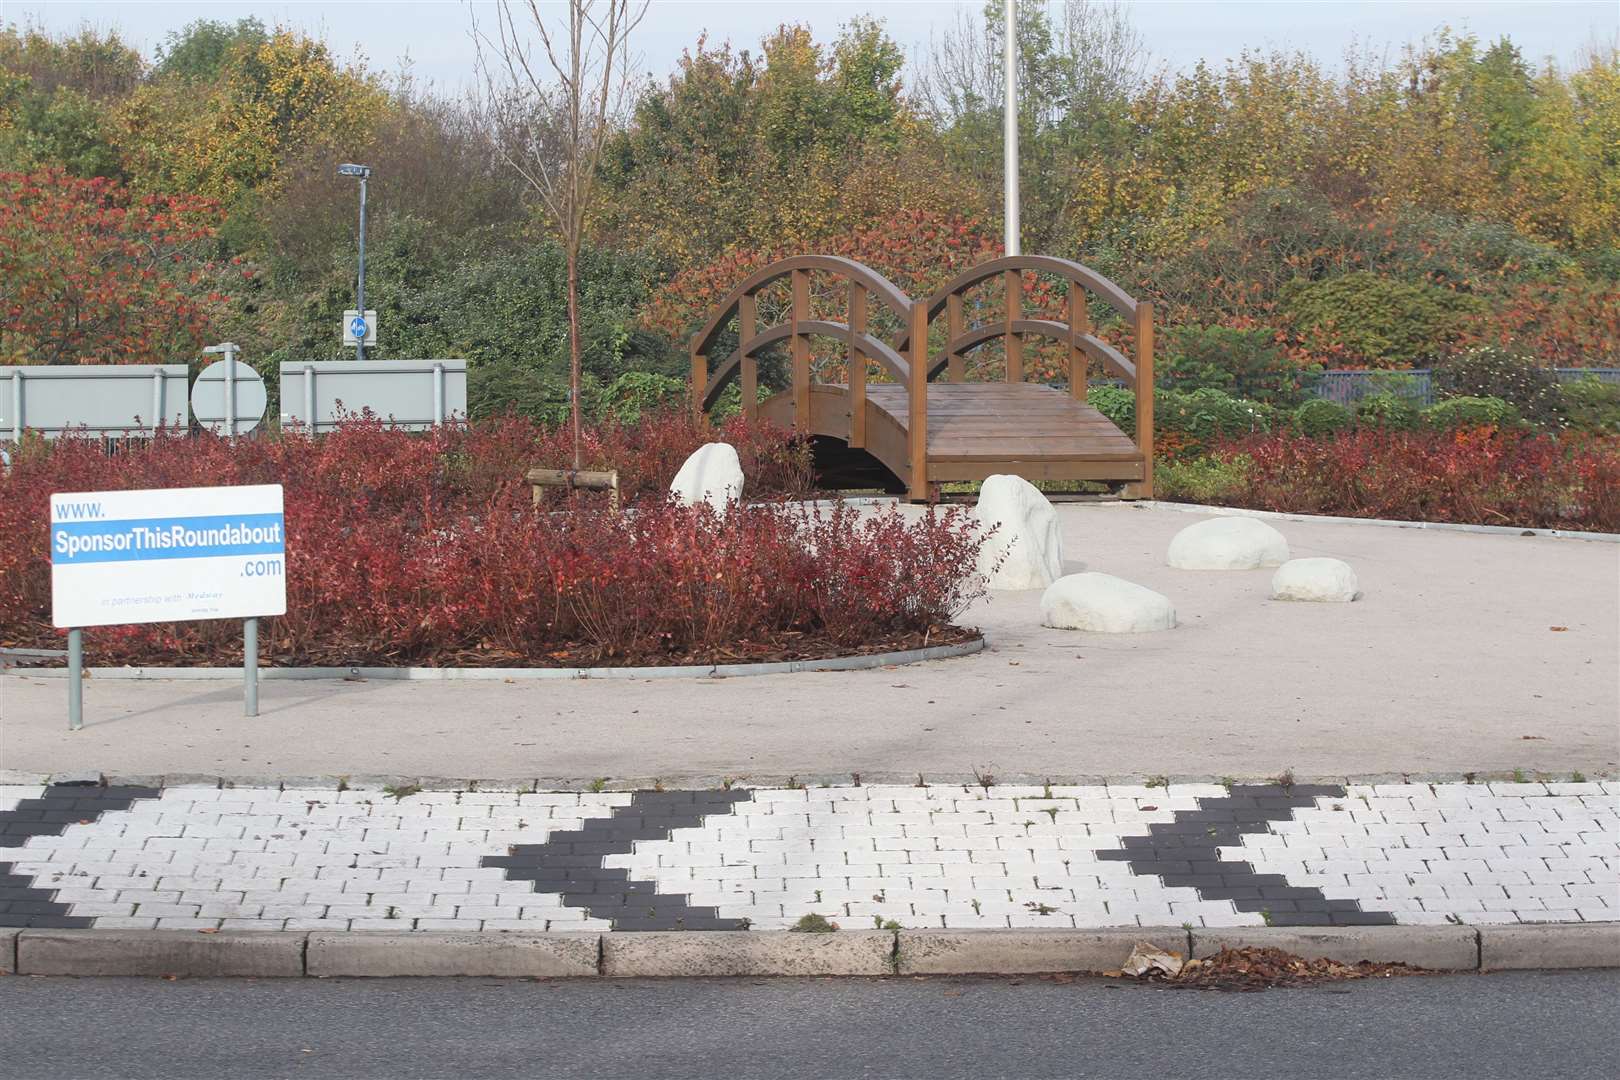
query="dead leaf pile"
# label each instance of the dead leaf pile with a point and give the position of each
(1254, 968)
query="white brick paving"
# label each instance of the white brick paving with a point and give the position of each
(937, 856)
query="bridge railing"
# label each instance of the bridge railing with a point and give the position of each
(742, 305)
(1073, 331)
(907, 360)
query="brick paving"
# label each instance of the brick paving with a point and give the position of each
(937, 856)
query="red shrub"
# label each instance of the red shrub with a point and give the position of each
(1481, 476)
(408, 548)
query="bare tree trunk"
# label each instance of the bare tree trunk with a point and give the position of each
(574, 351)
(552, 129)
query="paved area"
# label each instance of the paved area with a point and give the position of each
(1478, 1027)
(206, 858)
(1467, 653)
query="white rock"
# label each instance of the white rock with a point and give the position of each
(1228, 543)
(1326, 580)
(712, 475)
(1105, 604)
(1027, 541)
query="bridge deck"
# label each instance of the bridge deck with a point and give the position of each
(976, 429)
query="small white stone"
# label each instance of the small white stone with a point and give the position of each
(1105, 604)
(1027, 541)
(1228, 543)
(713, 474)
(1324, 580)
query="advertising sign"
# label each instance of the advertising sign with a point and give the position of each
(167, 554)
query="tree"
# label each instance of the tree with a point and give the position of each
(1077, 77)
(90, 273)
(552, 128)
(198, 52)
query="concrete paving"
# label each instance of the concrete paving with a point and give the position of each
(1512, 1025)
(1466, 653)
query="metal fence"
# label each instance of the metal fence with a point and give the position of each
(1417, 384)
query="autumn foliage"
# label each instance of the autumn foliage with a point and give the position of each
(1482, 476)
(424, 549)
(91, 272)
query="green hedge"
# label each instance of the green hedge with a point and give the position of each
(1321, 417)
(1470, 412)
(1200, 415)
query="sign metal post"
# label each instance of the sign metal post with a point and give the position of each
(250, 667)
(75, 679)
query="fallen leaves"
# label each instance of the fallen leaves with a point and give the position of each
(1249, 968)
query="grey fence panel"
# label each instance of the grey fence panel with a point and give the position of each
(411, 394)
(1349, 387)
(96, 399)
(1576, 374)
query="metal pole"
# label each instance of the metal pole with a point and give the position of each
(75, 680)
(230, 391)
(250, 667)
(360, 346)
(16, 405)
(157, 400)
(309, 399)
(1010, 130)
(438, 394)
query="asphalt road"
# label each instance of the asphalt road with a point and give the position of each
(1509, 1025)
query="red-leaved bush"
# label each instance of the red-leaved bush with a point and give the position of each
(424, 549)
(1481, 476)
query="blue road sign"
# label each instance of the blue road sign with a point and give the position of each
(357, 328)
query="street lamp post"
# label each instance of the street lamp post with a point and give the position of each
(362, 172)
(1009, 192)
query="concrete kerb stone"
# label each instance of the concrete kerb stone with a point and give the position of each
(1388, 523)
(8, 951)
(160, 952)
(745, 952)
(1439, 948)
(694, 953)
(1028, 952)
(712, 781)
(513, 954)
(860, 662)
(1551, 945)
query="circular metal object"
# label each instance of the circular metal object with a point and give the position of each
(208, 402)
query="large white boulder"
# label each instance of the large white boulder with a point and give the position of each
(1105, 604)
(1027, 541)
(1324, 580)
(1228, 543)
(712, 475)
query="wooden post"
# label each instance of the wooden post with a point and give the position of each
(1144, 393)
(747, 327)
(1015, 310)
(857, 365)
(700, 382)
(801, 353)
(1079, 326)
(956, 370)
(917, 418)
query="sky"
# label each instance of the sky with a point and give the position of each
(433, 35)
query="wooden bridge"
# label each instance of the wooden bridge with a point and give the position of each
(926, 430)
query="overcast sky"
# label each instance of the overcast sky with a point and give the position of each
(433, 33)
